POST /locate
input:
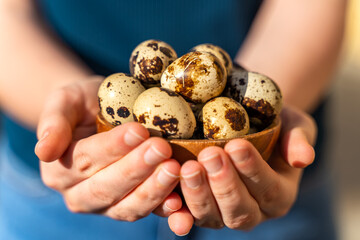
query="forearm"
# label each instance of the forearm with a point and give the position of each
(32, 61)
(296, 43)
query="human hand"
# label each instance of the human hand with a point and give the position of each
(236, 188)
(122, 173)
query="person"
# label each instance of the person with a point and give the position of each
(54, 56)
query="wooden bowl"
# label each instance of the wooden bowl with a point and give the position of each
(188, 149)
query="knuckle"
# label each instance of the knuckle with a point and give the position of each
(270, 194)
(99, 192)
(226, 193)
(72, 206)
(282, 211)
(202, 212)
(141, 194)
(62, 95)
(82, 161)
(277, 204)
(242, 222)
(144, 195)
(199, 207)
(129, 215)
(132, 217)
(50, 181)
(55, 177)
(209, 223)
(70, 93)
(131, 175)
(116, 213)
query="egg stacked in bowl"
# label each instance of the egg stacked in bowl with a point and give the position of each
(200, 95)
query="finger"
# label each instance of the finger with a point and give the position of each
(172, 203)
(198, 196)
(87, 156)
(296, 148)
(274, 194)
(112, 183)
(61, 113)
(64, 109)
(238, 208)
(181, 222)
(298, 135)
(140, 202)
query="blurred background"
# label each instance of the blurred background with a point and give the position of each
(344, 117)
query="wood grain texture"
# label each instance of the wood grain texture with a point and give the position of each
(188, 149)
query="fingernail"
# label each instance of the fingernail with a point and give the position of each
(182, 235)
(193, 180)
(168, 208)
(153, 156)
(239, 155)
(43, 137)
(132, 139)
(212, 163)
(166, 178)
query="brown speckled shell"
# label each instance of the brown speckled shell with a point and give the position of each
(260, 95)
(224, 118)
(149, 60)
(197, 76)
(188, 149)
(116, 96)
(218, 52)
(164, 113)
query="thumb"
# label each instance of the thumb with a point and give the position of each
(298, 135)
(60, 115)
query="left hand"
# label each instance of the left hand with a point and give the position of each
(236, 188)
(123, 173)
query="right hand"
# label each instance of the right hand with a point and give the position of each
(122, 173)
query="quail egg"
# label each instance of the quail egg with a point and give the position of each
(218, 52)
(260, 96)
(197, 76)
(224, 118)
(116, 96)
(149, 60)
(164, 113)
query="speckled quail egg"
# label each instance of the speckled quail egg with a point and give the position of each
(218, 52)
(149, 60)
(260, 96)
(197, 76)
(224, 118)
(116, 96)
(164, 113)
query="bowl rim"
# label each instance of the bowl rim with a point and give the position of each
(276, 123)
